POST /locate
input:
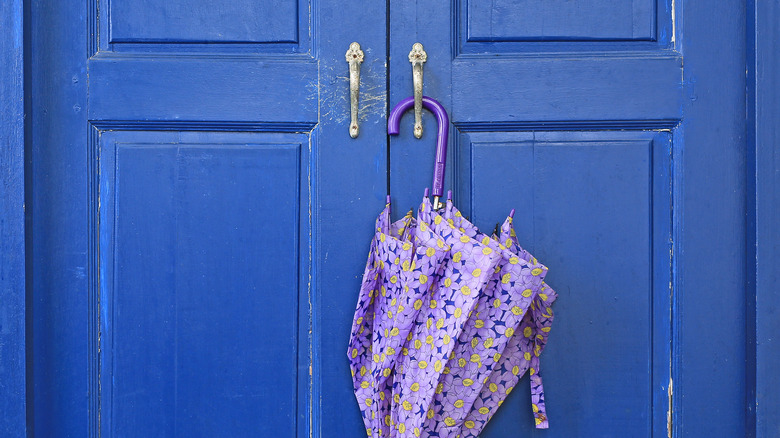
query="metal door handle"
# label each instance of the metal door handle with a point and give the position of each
(354, 58)
(417, 57)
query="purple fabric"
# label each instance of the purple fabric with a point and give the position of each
(448, 320)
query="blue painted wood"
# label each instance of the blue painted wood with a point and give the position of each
(764, 101)
(178, 21)
(507, 93)
(13, 371)
(201, 219)
(560, 20)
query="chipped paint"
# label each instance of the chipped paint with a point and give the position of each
(670, 391)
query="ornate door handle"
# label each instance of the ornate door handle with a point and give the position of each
(354, 58)
(417, 57)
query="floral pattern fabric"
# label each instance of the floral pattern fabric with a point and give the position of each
(448, 320)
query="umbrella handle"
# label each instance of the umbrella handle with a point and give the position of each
(394, 127)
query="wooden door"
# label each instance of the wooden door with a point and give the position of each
(615, 129)
(198, 212)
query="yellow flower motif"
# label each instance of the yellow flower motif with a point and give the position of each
(364, 384)
(437, 220)
(536, 271)
(517, 311)
(508, 242)
(423, 278)
(508, 390)
(527, 356)
(407, 246)
(462, 362)
(515, 370)
(432, 305)
(415, 387)
(486, 250)
(402, 428)
(387, 332)
(423, 226)
(429, 339)
(475, 358)
(422, 364)
(479, 323)
(474, 342)
(458, 403)
(446, 370)
(440, 323)
(488, 342)
(416, 431)
(390, 314)
(469, 424)
(505, 279)
(534, 407)
(369, 402)
(538, 421)
(531, 371)
(405, 351)
(394, 332)
(354, 353)
(397, 260)
(497, 270)
(360, 320)
(382, 237)
(397, 398)
(388, 420)
(439, 388)
(458, 312)
(527, 332)
(509, 332)
(384, 291)
(390, 351)
(546, 329)
(447, 282)
(446, 339)
(430, 252)
(496, 357)
(363, 371)
(376, 358)
(407, 406)
(456, 257)
(464, 239)
(485, 240)
(465, 290)
(514, 260)
(440, 243)
(382, 395)
(386, 372)
(417, 344)
(468, 382)
(418, 304)
(449, 421)
(493, 387)
(483, 410)
(405, 265)
(543, 296)
(458, 214)
(527, 293)
(429, 414)
(477, 272)
(437, 366)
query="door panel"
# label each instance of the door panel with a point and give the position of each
(200, 246)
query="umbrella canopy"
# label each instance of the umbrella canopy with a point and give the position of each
(448, 319)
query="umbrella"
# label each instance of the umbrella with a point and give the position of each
(442, 330)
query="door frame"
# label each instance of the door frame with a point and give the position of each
(762, 236)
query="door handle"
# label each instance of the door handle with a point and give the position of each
(418, 57)
(354, 58)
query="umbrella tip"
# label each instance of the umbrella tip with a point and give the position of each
(426, 192)
(388, 199)
(511, 213)
(449, 195)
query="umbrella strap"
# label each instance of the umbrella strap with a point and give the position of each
(537, 395)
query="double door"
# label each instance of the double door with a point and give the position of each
(200, 215)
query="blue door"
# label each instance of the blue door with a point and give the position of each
(199, 215)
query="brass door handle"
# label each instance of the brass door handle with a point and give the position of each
(354, 58)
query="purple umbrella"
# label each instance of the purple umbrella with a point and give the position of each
(448, 318)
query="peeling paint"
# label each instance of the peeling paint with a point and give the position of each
(669, 411)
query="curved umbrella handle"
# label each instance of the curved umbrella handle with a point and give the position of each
(394, 126)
